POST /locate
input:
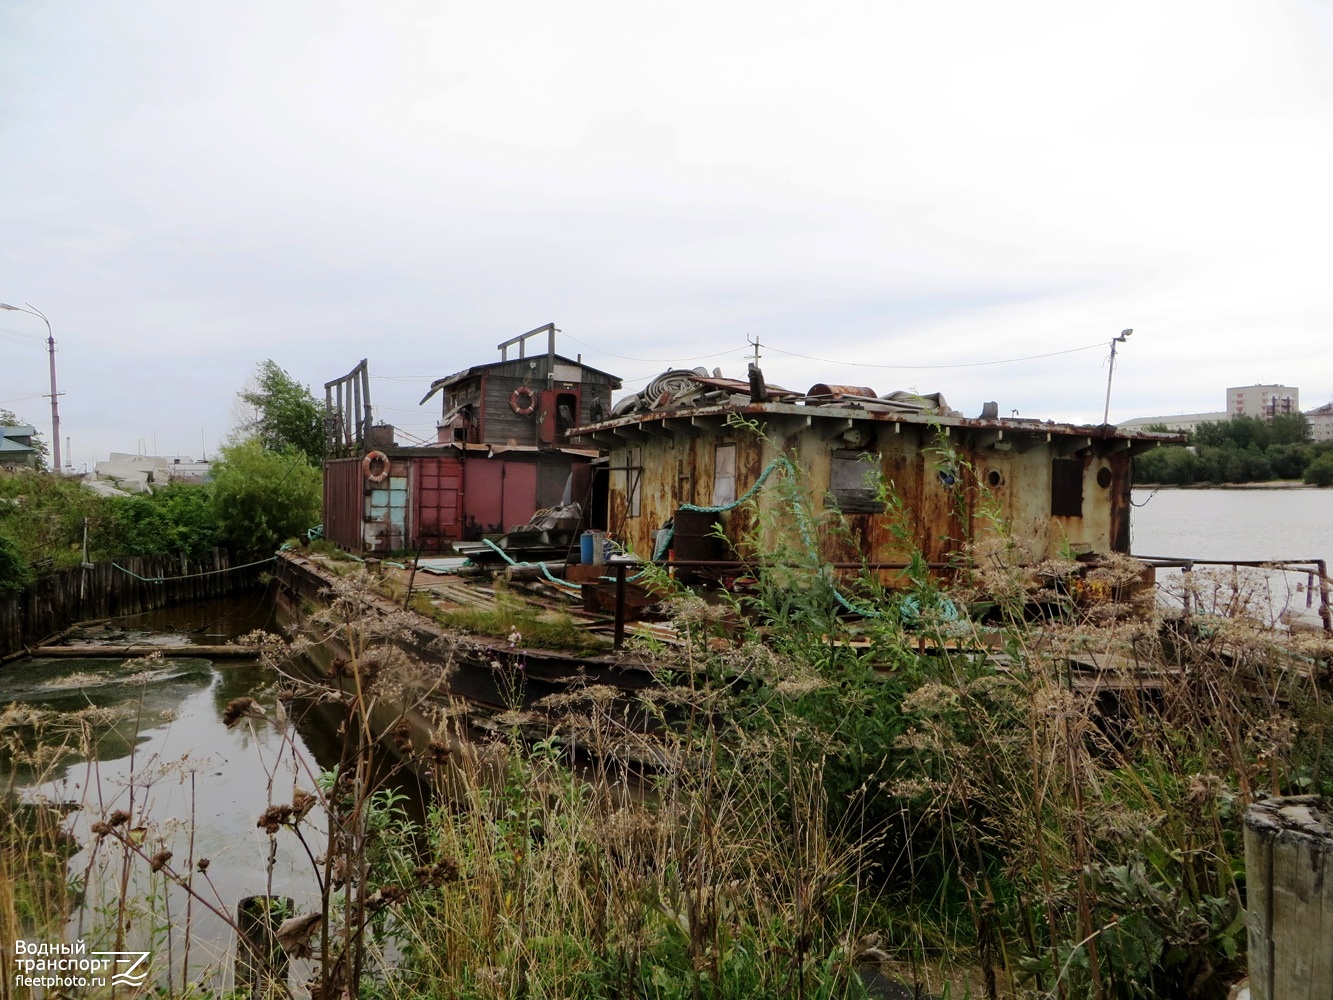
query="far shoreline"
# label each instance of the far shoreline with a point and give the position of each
(1278, 484)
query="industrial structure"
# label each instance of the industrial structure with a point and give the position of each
(683, 456)
(502, 452)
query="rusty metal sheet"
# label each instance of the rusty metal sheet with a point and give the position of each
(437, 502)
(343, 491)
(952, 487)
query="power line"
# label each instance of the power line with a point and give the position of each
(966, 364)
(649, 361)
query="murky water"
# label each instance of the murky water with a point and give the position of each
(146, 736)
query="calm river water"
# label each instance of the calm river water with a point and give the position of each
(1244, 524)
(1233, 524)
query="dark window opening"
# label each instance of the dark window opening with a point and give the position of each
(1066, 487)
(566, 412)
(854, 482)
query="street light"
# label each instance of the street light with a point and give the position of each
(1111, 371)
(55, 396)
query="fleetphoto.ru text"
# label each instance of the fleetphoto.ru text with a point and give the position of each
(65, 966)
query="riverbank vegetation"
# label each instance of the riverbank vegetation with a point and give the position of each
(1241, 450)
(807, 801)
(263, 490)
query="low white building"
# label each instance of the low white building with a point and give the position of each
(1175, 422)
(140, 473)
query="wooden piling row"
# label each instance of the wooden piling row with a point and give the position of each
(126, 586)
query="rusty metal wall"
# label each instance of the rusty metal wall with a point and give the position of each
(437, 502)
(950, 490)
(344, 499)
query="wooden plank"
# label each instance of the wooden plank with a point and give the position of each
(126, 652)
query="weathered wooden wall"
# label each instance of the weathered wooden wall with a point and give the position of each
(54, 602)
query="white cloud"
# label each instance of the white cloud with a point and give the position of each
(195, 188)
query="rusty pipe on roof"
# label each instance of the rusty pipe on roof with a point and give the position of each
(823, 389)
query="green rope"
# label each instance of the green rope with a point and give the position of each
(948, 611)
(190, 576)
(541, 565)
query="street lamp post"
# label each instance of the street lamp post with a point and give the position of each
(1124, 334)
(55, 396)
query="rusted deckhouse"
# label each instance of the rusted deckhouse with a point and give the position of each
(501, 453)
(690, 440)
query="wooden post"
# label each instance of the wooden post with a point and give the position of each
(619, 639)
(1289, 884)
(261, 964)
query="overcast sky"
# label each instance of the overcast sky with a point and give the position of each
(893, 194)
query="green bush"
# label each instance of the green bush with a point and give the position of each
(261, 498)
(177, 518)
(1320, 471)
(14, 571)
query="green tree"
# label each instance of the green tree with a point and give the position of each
(282, 413)
(263, 497)
(1320, 471)
(1289, 428)
(14, 571)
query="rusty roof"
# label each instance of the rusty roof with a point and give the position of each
(477, 370)
(876, 409)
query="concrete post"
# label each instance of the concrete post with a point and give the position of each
(1289, 879)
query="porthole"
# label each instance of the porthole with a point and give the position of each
(994, 479)
(1104, 477)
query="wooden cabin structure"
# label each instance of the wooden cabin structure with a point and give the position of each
(502, 452)
(704, 442)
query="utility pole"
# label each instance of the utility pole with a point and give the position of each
(1111, 371)
(55, 396)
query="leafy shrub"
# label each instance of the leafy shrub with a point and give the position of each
(261, 498)
(1320, 471)
(14, 571)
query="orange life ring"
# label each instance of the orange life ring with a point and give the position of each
(368, 463)
(523, 408)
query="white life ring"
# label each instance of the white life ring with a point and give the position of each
(523, 401)
(368, 463)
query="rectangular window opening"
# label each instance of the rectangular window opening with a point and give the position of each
(1066, 487)
(854, 481)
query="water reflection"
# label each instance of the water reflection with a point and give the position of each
(146, 737)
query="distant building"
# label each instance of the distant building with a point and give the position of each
(1321, 422)
(140, 473)
(1176, 422)
(16, 447)
(1263, 402)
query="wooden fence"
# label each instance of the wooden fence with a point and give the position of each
(125, 586)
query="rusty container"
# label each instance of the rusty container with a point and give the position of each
(696, 538)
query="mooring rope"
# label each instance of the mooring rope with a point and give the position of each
(191, 576)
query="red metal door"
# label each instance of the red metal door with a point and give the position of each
(482, 499)
(500, 494)
(435, 511)
(520, 493)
